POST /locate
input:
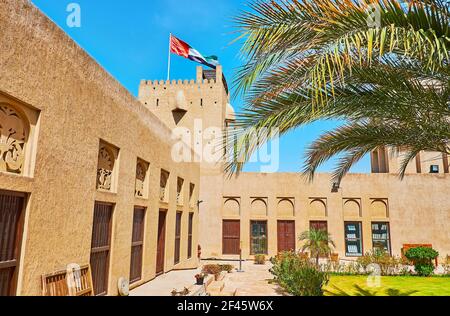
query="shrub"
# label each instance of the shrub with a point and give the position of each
(226, 267)
(260, 259)
(351, 268)
(446, 266)
(422, 258)
(213, 269)
(424, 269)
(298, 276)
(388, 264)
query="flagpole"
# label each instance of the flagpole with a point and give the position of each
(168, 63)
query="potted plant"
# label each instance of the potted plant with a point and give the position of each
(200, 278)
(260, 259)
(334, 257)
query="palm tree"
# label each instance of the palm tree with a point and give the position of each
(321, 59)
(318, 242)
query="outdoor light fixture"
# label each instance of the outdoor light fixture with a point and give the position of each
(198, 205)
(336, 187)
(434, 169)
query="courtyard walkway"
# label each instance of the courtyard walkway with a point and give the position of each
(166, 283)
(254, 281)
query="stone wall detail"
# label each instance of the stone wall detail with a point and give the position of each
(141, 178)
(13, 138)
(107, 156)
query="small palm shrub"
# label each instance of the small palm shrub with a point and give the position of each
(260, 259)
(298, 276)
(318, 242)
(422, 258)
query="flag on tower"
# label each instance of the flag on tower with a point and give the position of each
(183, 49)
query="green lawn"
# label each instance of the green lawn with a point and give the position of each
(390, 286)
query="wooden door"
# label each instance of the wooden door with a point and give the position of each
(286, 236)
(101, 247)
(231, 233)
(137, 244)
(160, 253)
(178, 238)
(11, 228)
(190, 230)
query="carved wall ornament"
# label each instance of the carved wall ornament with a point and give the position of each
(105, 168)
(141, 173)
(13, 138)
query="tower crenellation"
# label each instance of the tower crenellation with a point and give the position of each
(178, 103)
(185, 82)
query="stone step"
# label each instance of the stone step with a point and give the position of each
(215, 288)
(221, 276)
(229, 292)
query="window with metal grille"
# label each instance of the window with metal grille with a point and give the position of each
(177, 238)
(190, 229)
(380, 237)
(11, 230)
(258, 237)
(137, 244)
(353, 239)
(101, 247)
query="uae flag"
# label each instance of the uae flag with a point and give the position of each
(183, 49)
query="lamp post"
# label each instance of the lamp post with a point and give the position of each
(240, 258)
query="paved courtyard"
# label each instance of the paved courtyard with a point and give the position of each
(254, 281)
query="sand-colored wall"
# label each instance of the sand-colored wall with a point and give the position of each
(205, 103)
(418, 208)
(78, 104)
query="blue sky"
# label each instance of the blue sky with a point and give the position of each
(130, 40)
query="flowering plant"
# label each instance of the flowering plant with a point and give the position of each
(200, 275)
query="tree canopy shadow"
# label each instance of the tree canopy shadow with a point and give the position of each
(359, 291)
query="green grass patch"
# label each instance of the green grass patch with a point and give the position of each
(389, 286)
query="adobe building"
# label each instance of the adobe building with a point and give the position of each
(86, 174)
(90, 175)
